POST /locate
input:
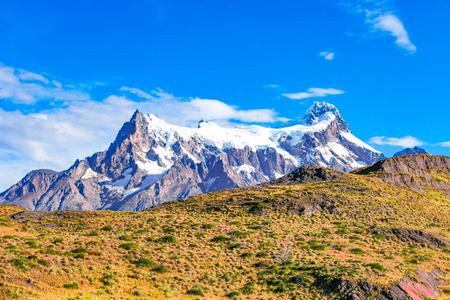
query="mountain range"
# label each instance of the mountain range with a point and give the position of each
(152, 161)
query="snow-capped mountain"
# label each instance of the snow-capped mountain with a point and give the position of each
(152, 161)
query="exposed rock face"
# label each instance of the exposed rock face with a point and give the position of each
(411, 151)
(30, 189)
(423, 286)
(418, 172)
(151, 162)
(416, 236)
(308, 174)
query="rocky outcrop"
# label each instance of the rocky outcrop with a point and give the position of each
(418, 172)
(415, 236)
(308, 174)
(421, 286)
(151, 162)
(411, 151)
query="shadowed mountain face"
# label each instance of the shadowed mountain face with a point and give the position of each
(308, 174)
(411, 151)
(151, 162)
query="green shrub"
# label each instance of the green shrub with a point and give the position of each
(236, 245)
(80, 256)
(144, 262)
(58, 241)
(107, 228)
(129, 246)
(160, 269)
(125, 237)
(109, 279)
(167, 239)
(247, 255)
(79, 250)
(209, 226)
(319, 247)
(248, 289)
(376, 266)
(43, 262)
(196, 291)
(20, 263)
(169, 229)
(357, 251)
(152, 220)
(71, 286)
(8, 237)
(238, 233)
(219, 239)
(257, 207)
(236, 223)
(32, 244)
(262, 254)
(233, 294)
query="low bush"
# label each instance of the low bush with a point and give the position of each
(71, 286)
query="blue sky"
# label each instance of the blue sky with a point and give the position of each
(73, 72)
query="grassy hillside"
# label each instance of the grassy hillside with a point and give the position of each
(264, 242)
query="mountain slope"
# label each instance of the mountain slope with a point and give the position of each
(335, 236)
(152, 161)
(420, 172)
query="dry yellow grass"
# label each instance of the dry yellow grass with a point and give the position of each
(225, 243)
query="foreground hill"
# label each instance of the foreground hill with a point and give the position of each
(152, 161)
(330, 235)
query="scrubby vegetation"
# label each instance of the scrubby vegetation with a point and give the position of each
(249, 243)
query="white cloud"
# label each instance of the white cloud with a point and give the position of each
(217, 110)
(380, 15)
(15, 85)
(138, 92)
(445, 144)
(271, 86)
(405, 142)
(57, 83)
(313, 92)
(27, 76)
(327, 55)
(392, 24)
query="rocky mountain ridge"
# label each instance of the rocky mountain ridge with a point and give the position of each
(411, 151)
(152, 161)
(422, 172)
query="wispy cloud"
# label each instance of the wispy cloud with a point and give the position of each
(392, 24)
(57, 83)
(381, 17)
(405, 142)
(25, 87)
(25, 75)
(272, 86)
(313, 92)
(444, 144)
(327, 55)
(138, 92)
